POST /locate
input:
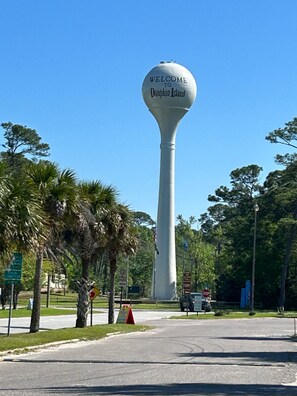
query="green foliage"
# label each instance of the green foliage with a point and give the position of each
(219, 313)
(28, 272)
(194, 255)
(20, 142)
(288, 137)
(144, 219)
(141, 264)
(85, 232)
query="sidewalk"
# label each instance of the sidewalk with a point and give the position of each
(22, 325)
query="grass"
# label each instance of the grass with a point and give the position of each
(22, 342)
(25, 341)
(25, 313)
(66, 305)
(235, 315)
(158, 306)
(70, 299)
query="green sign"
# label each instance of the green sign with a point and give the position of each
(17, 262)
(11, 281)
(134, 289)
(12, 275)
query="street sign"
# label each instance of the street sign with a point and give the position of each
(123, 277)
(205, 293)
(12, 275)
(187, 283)
(93, 293)
(198, 302)
(17, 262)
(11, 282)
(134, 289)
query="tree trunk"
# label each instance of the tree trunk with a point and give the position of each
(113, 267)
(82, 304)
(16, 292)
(104, 276)
(35, 316)
(4, 297)
(83, 296)
(282, 295)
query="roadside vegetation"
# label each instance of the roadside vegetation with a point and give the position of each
(74, 235)
(235, 315)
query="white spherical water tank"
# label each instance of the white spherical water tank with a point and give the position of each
(169, 85)
(168, 90)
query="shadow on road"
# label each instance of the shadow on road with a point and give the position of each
(284, 338)
(271, 357)
(174, 389)
(192, 358)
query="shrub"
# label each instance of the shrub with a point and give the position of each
(219, 313)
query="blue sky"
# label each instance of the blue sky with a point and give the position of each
(73, 70)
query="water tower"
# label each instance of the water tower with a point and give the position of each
(168, 90)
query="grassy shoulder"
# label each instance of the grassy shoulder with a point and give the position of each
(234, 315)
(20, 343)
(25, 313)
(69, 300)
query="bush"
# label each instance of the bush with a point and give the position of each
(219, 313)
(251, 313)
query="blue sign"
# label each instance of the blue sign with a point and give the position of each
(248, 293)
(243, 298)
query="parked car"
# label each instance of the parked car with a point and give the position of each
(187, 302)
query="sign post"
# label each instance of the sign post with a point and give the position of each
(10, 309)
(123, 282)
(187, 287)
(93, 293)
(205, 294)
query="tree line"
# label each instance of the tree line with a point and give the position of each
(45, 212)
(229, 225)
(81, 229)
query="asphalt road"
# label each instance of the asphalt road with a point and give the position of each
(179, 357)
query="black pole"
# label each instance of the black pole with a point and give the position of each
(91, 312)
(10, 309)
(252, 302)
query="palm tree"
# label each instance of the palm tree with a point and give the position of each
(21, 216)
(121, 240)
(21, 220)
(57, 195)
(95, 201)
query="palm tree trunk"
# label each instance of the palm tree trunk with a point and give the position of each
(113, 267)
(105, 276)
(4, 297)
(83, 296)
(16, 292)
(35, 316)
